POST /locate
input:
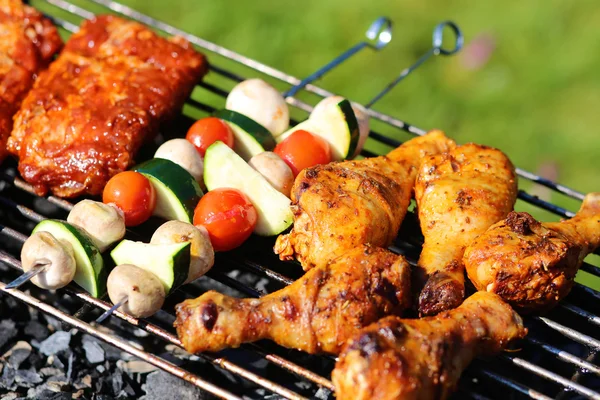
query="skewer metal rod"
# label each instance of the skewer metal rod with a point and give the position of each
(111, 310)
(380, 31)
(27, 276)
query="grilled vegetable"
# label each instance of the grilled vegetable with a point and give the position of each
(144, 292)
(334, 122)
(169, 262)
(206, 131)
(275, 170)
(225, 169)
(177, 192)
(228, 216)
(251, 138)
(303, 150)
(89, 273)
(104, 223)
(42, 248)
(359, 112)
(184, 154)
(202, 256)
(133, 194)
(261, 102)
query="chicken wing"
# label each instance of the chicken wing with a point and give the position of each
(422, 359)
(532, 265)
(340, 206)
(316, 314)
(459, 195)
(110, 89)
(28, 41)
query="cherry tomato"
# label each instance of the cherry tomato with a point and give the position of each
(206, 131)
(228, 216)
(133, 193)
(302, 149)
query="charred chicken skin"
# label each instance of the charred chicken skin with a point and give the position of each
(315, 314)
(339, 206)
(110, 89)
(422, 359)
(28, 41)
(459, 195)
(532, 265)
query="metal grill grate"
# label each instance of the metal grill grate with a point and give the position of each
(559, 359)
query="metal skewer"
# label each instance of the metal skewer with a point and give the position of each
(436, 49)
(111, 310)
(39, 267)
(380, 31)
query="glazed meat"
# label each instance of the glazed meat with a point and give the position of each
(422, 359)
(316, 314)
(532, 265)
(459, 195)
(28, 41)
(110, 89)
(340, 206)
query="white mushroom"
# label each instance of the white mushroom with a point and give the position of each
(202, 255)
(184, 154)
(360, 113)
(104, 222)
(261, 102)
(42, 248)
(144, 292)
(275, 171)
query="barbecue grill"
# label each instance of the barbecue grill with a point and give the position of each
(559, 358)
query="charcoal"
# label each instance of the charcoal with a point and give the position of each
(117, 382)
(10, 396)
(56, 343)
(56, 362)
(83, 383)
(37, 330)
(36, 360)
(27, 378)
(136, 367)
(50, 395)
(8, 331)
(7, 381)
(162, 385)
(70, 367)
(17, 354)
(49, 371)
(58, 383)
(110, 352)
(93, 352)
(322, 394)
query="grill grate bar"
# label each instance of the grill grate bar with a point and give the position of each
(134, 14)
(571, 333)
(594, 319)
(567, 357)
(534, 394)
(119, 343)
(544, 373)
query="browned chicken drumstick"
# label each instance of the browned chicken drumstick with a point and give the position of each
(422, 359)
(340, 206)
(532, 265)
(316, 314)
(459, 195)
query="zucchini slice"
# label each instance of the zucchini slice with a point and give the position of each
(251, 138)
(224, 168)
(336, 124)
(169, 262)
(177, 192)
(90, 273)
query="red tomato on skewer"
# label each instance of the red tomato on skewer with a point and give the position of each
(302, 150)
(206, 131)
(133, 193)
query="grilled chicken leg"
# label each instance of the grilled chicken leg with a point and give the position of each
(422, 359)
(459, 195)
(340, 206)
(316, 314)
(532, 265)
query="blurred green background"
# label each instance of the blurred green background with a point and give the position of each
(527, 80)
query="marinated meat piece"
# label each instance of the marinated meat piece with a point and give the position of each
(422, 359)
(316, 314)
(459, 195)
(532, 265)
(340, 206)
(110, 89)
(28, 41)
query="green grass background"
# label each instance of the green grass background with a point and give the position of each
(537, 97)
